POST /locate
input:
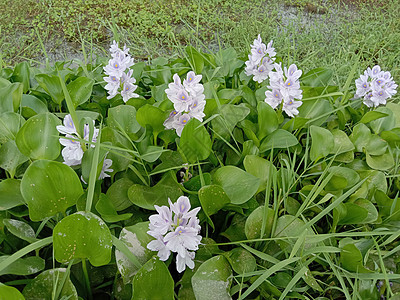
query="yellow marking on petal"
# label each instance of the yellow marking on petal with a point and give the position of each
(288, 83)
(184, 121)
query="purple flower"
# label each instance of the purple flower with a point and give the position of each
(175, 229)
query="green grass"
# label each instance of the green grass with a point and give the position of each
(338, 37)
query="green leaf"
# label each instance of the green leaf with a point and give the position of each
(371, 116)
(10, 97)
(350, 176)
(10, 123)
(123, 116)
(195, 59)
(342, 143)
(360, 137)
(136, 239)
(38, 138)
(229, 116)
(11, 157)
(153, 281)
(279, 139)
(290, 226)
(376, 145)
(10, 194)
(107, 210)
(235, 231)
(212, 280)
(9, 292)
(212, 199)
(241, 260)
(49, 187)
(239, 185)
(80, 90)
(254, 223)
(317, 77)
(22, 74)
(146, 197)
(23, 266)
(195, 142)
(51, 84)
(20, 229)
(82, 235)
(350, 213)
(44, 285)
(372, 215)
(322, 142)
(32, 106)
(267, 120)
(380, 162)
(152, 116)
(352, 260)
(385, 123)
(118, 194)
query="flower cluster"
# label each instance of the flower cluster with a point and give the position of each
(261, 60)
(118, 78)
(285, 87)
(375, 86)
(188, 99)
(175, 229)
(73, 152)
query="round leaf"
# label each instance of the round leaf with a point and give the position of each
(49, 187)
(10, 123)
(153, 281)
(146, 197)
(212, 280)
(10, 194)
(23, 266)
(82, 235)
(123, 117)
(259, 167)
(254, 223)
(153, 116)
(267, 120)
(38, 137)
(20, 229)
(80, 90)
(322, 142)
(239, 185)
(280, 139)
(195, 141)
(42, 286)
(136, 239)
(9, 292)
(241, 260)
(11, 157)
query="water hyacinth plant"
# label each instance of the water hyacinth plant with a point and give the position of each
(199, 177)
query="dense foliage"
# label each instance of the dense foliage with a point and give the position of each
(300, 207)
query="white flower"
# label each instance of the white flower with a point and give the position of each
(290, 107)
(285, 88)
(159, 245)
(375, 86)
(106, 168)
(183, 261)
(69, 126)
(188, 99)
(260, 62)
(175, 229)
(160, 224)
(118, 78)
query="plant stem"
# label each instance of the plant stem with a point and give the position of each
(86, 275)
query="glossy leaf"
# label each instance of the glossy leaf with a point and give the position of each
(82, 235)
(43, 285)
(49, 187)
(38, 138)
(23, 266)
(20, 229)
(322, 142)
(11, 157)
(10, 123)
(51, 84)
(135, 238)
(212, 279)
(254, 223)
(118, 194)
(146, 197)
(152, 116)
(10, 97)
(267, 120)
(123, 116)
(195, 142)
(279, 139)
(80, 90)
(10, 194)
(9, 292)
(239, 185)
(153, 281)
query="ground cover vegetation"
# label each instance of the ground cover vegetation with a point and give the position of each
(267, 170)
